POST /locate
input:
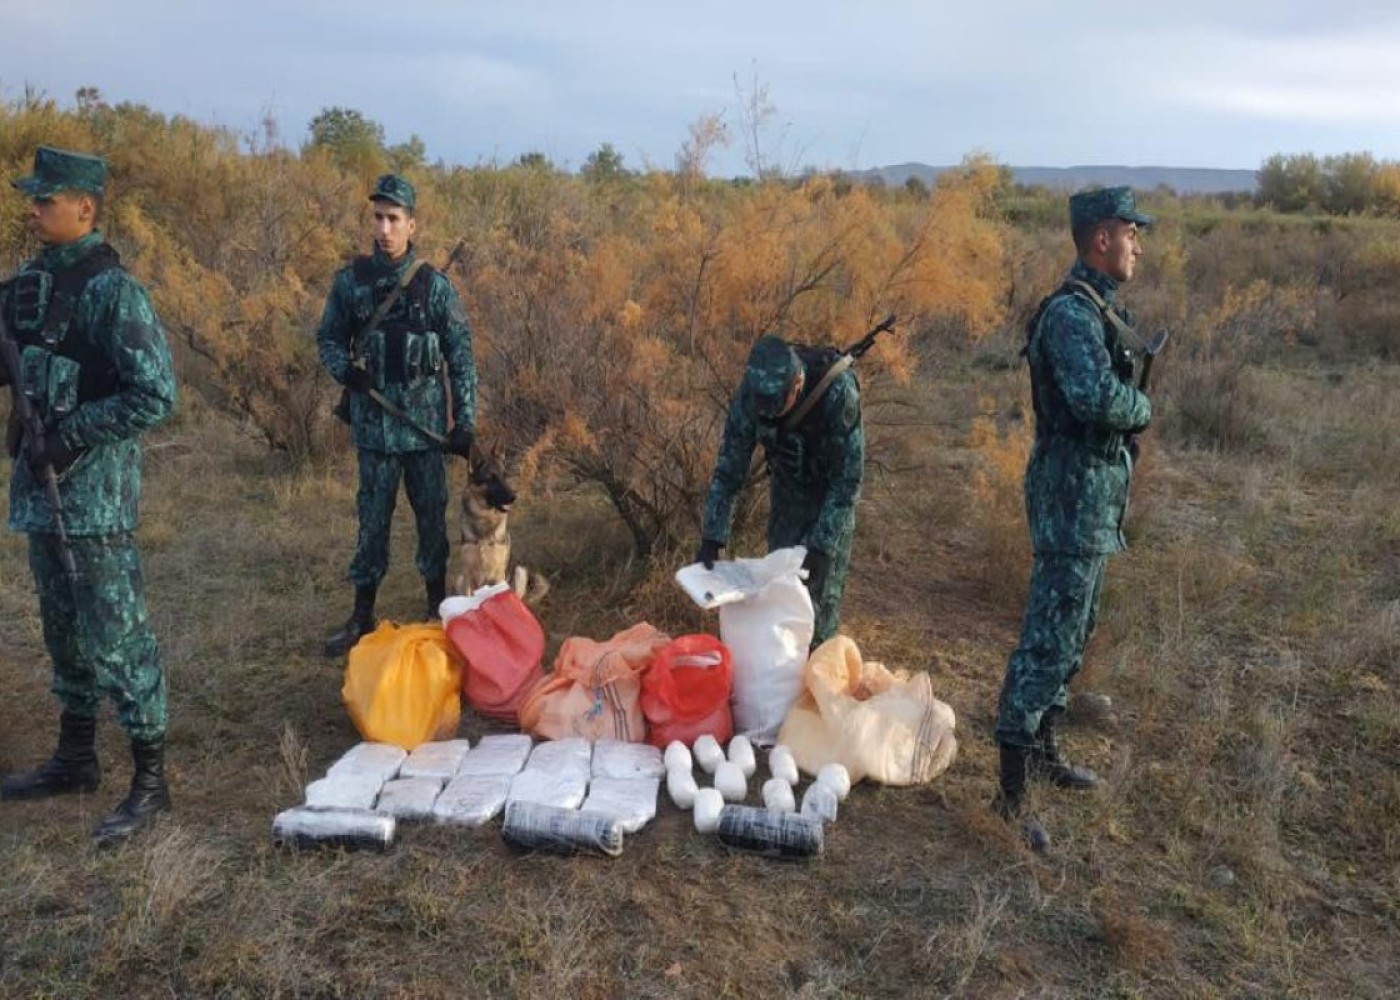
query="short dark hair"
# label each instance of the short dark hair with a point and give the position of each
(1084, 233)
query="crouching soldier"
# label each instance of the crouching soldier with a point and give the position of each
(1086, 414)
(95, 366)
(814, 443)
(390, 325)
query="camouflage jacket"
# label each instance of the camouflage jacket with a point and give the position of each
(424, 329)
(1085, 402)
(123, 384)
(822, 462)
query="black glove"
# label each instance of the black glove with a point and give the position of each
(358, 379)
(816, 564)
(54, 453)
(459, 442)
(708, 552)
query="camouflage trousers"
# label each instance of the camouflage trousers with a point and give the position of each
(101, 643)
(791, 520)
(1061, 612)
(424, 475)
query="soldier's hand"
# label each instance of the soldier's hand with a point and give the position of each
(53, 452)
(708, 552)
(459, 441)
(358, 379)
(816, 564)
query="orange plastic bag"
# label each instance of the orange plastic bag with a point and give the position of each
(403, 685)
(503, 645)
(595, 689)
(685, 694)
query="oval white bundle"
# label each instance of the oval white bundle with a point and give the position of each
(741, 753)
(781, 764)
(708, 805)
(819, 801)
(837, 778)
(677, 756)
(777, 796)
(730, 782)
(708, 753)
(680, 783)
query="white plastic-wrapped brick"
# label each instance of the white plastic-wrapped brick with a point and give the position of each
(616, 759)
(564, 789)
(381, 760)
(502, 755)
(630, 801)
(347, 790)
(435, 760)
(569, 756)
(472, 800)
(409, 798)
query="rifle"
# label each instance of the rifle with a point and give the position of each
(34, 432)
(1149, 352)
(847, 358)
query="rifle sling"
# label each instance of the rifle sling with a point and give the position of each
(1109, 313)
(382, 310)
(795, 418)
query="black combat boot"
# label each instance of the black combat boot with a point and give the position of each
(1048, 764)
(1011, 796)
(361, 622)
(73, 767)
(437, 593)
(148, 796)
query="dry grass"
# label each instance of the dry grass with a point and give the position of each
(1244, 842)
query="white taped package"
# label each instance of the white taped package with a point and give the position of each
(435, 760)
(471, 800)
(630, 801)
(496, 756)
(729, 582)
(564, 789)
(307, 827)
(768, 634)
(570, 756)
(347, 790)
(380, 759)
(409, 798)
(616, 759)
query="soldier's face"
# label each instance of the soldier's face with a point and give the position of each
(793, 393)
(1122, 250)
(393, 228)
(62, 218)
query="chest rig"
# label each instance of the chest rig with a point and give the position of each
(793, 443)
(60, 367)
(1052, 412)
(402, 347)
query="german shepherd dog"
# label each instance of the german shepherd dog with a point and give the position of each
(485, 532)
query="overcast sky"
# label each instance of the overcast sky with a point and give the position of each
(1212, 83)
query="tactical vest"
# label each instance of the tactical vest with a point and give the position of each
(59, 372)
(1052, 412)
(403, 347)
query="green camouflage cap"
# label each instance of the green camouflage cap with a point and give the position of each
(58, 170)
(772, 367)
(392, 187)
(1089, 207)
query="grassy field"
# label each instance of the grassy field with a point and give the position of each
(1245, 841)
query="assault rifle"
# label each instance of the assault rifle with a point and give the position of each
(1150, 351)
(845, 359)
(33, 428)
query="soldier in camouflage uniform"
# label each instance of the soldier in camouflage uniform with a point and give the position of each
(815, 468)
(1087, 413)
(95, 364)
(400, 358)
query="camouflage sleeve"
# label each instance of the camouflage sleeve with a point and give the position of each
(337, 328)
(450, 317)
(731, 469)
(1071, 336)
(843, 442)
(125, 324)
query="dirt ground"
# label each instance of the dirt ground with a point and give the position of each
(1245, 840)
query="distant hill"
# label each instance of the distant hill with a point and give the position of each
(1183, 180)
